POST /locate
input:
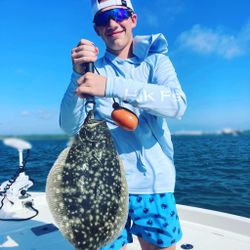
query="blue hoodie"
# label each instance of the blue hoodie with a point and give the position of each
(147, 85)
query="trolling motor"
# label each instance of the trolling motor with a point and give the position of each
(13, 193)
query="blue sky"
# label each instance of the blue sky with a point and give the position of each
(209, 45)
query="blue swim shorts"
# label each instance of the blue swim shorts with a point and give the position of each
(152, 217)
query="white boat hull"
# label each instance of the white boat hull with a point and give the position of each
(204, 229)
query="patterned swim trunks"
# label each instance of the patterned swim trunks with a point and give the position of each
(152, 217)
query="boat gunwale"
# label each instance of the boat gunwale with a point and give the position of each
(215, 219)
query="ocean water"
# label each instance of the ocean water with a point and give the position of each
(213, 172)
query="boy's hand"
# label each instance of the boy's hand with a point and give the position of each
(91, 84)
(85, 52)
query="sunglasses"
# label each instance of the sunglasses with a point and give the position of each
(118, 15)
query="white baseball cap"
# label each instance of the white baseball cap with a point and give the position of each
(96, 6)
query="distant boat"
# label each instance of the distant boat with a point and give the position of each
(229, 131)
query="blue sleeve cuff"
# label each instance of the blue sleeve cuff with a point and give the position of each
(109, 87)
(75, 76)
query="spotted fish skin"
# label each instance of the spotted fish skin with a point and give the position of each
(86, 189)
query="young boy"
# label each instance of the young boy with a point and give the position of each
(138, 74)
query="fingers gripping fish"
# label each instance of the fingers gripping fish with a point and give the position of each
(86, 188)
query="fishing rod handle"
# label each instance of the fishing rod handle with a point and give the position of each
(90, 67)
(89, 99)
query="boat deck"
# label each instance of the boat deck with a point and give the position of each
(203, 229)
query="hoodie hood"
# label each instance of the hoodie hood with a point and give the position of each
(143, 46)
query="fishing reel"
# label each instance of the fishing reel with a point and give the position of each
(124, 117)
(14, 194)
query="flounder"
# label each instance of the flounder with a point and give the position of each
(86, 188)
